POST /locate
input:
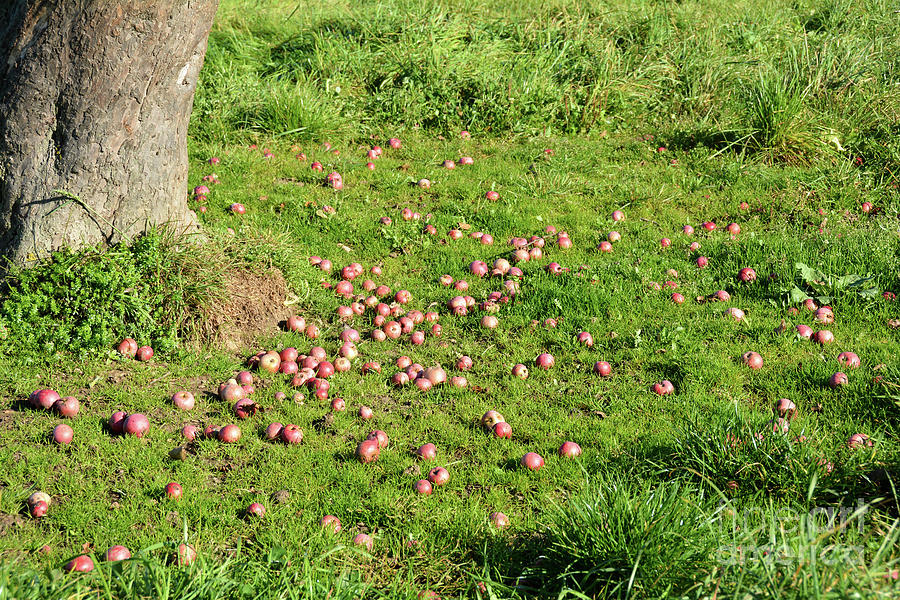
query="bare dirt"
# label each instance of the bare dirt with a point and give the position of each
(10, 522)
(254, 307)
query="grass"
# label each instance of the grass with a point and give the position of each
(84, 303)
(149, 576)
(676, 113)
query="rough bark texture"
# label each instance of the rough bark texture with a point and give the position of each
(95, 97)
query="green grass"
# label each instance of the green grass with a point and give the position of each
(85, 302)
(675, 113)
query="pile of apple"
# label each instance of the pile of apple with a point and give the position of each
(391, 319)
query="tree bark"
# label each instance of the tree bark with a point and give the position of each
(95, 97)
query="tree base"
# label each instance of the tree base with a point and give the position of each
(95, 99)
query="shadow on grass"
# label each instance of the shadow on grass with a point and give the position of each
(690, 139)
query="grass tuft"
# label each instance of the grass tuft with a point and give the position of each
(157, 290)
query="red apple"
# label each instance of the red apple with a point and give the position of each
(464, 363)
(602, 368)
(43, 398)
(174, 491)
(532, 461)
(859, 440)
(117, 422)
(117, 553)
(128, 348)
(136, 425)
(288, 367)
(502, 430)
(231, 391)
(361, 539)
(273, 431)
(245, 408)
(296, 324)
(824, 315)
(186, 554)
(570, 450)
(544, 361)
(270, 362)
(183, 400)
(753, 360)
(68, 407)
(458, 382)
(229, 434)
(380, 437)
(331, 523)
(747, 275)
(838, 379)
(291, 434)
(435, 374)
(438, 476)
(663, 388)
(427, 452)
(189, 432)
(63, 434)
(823, 336)
(499, 520)
(80, 564)
(424, 487)
(39, 509)
(367, 451)
(370, 367)
(849, 360)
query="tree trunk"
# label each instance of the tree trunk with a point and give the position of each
(95, 97)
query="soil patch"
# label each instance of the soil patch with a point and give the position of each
(9, 522)
(8, 418)
(254, 307)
